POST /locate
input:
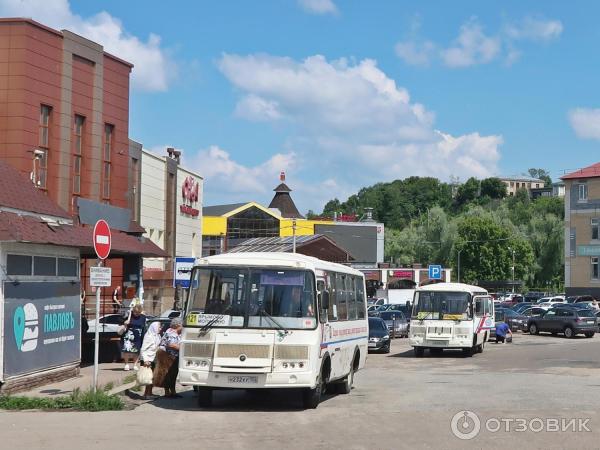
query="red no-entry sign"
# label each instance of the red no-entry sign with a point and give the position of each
(102, 239)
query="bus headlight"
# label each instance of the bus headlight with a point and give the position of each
(290, 366)
(202, 364)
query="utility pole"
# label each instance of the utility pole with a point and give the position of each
(294, 236)
(458, 269)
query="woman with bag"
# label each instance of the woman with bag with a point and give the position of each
(167, 359)
(147, 356)
(131, 336)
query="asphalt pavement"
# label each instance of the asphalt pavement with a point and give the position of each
(538, 392)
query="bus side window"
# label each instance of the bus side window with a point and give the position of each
(332, 311)
(352, 306)
(321, 288)
(360, 298)
(341, 297)
(479, 306)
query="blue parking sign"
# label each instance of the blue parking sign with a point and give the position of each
(435, 272)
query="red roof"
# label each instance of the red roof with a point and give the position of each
(592, 171)
(18, 192)
(30, 229)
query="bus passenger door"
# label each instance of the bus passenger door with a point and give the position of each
(323, 306)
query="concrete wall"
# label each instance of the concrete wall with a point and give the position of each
(188, 240)
(153, 205)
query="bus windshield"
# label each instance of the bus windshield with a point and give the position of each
(438, 305)
(252, 298)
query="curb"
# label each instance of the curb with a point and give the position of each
(122, 388)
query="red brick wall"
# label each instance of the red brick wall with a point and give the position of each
(30, 74)
(116, 112)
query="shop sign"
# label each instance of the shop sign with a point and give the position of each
(402, 274)
(190, 192)
(183, 272)
(42, 326)
(588, 250)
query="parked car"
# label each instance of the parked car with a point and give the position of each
(570, 321)
(498, 318)
(533, 311)
(521, 306)
(396, 323)
(533, 296)
(377, 309)
(551, 301)
(580, 299)
(516, 321)
(171, 313)
(109, 323)
(376, 301)
(574, 305)
(379, 335)
(513, 299)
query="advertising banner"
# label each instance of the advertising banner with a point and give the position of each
(42, 326)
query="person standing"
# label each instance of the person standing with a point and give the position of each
(131, 340)
(148, 353)
(167, 359)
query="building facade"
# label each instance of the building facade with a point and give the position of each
(64, 124)
(513, 184)
(582, 231)
(171, 213)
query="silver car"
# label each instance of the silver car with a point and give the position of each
(396, 323)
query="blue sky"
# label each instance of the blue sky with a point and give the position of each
(343, 94)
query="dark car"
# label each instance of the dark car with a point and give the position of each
(404, 308)
(396, 323)
(521, 306)
(569, 321)
(516, 321)
(574, 305)
(533, 296)
(580, 299)
(379, 336)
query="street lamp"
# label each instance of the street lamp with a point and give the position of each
(513, 268)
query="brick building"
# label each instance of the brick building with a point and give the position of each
(64, 123)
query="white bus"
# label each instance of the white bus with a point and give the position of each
(452, 316)
(273, 320)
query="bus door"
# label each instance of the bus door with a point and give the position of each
(483, 316)
(323, 306)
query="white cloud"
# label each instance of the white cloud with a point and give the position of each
(535, 29)
(415, 53)
(471, 47)
(353, 125)
(585, 122)
(227, 178)
(153, 68)
(474, 46)
(255, 108)
(318, 6)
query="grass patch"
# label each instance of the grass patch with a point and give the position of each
(78, 400)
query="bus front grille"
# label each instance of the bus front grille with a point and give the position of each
(236, 350)
(292, 352)
(199, 350)
(439, 330)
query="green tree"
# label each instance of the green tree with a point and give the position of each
(332, 207)
(540, 174)
(493, 188)
(467, 192)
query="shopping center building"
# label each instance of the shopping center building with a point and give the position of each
(253, 227)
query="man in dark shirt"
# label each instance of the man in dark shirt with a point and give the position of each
(502, 330)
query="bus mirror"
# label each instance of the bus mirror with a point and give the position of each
(325, 300)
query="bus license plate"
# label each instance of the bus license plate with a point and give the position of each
(243, 379)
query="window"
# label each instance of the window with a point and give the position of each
(350, 289)
(106, 157)
(595, 267)
(67, 267)
(77, 152)
(44, 145)
(134, 203)
(360, 298)
(596, 228)
(18, 264)
(332, 312)
(45, 111)
(44, 266)
(582, 191)
(341, 297)
(537, 185)
(512, 184)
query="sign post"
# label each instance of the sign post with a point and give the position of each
(102, 244)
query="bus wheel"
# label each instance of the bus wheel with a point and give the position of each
(312, 397)
(205, 396)
(419, 351)
(346, 385)
(480, 347)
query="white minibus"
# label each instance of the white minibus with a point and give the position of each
(273, 320)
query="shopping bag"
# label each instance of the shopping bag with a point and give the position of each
(144, 376)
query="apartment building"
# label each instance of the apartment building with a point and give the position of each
(582, 231)
(513, 184)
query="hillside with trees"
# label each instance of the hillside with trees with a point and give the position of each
(431, 222)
